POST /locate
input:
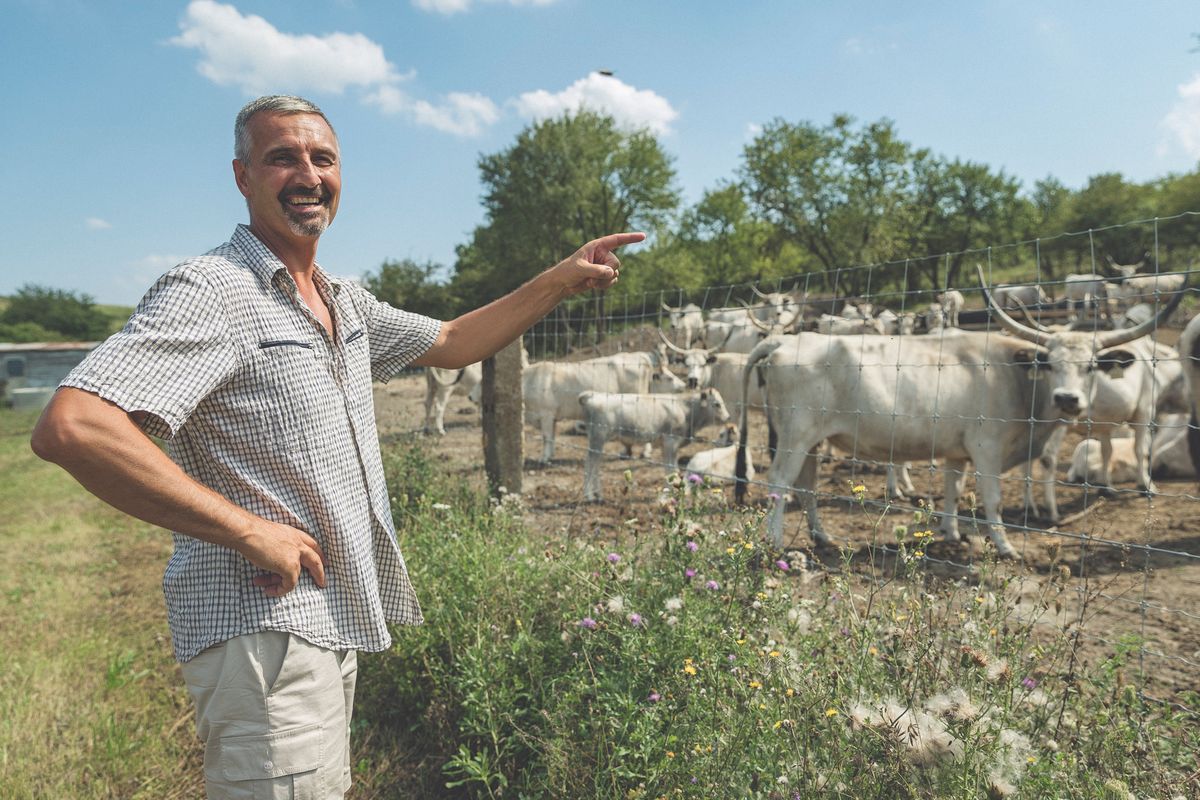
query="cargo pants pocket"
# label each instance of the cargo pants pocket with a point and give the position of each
(275, 766)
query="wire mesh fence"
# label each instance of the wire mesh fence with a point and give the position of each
(1029, 394)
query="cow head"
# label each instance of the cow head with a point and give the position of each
(1069, 360)
(695, 361)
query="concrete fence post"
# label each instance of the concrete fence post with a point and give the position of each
(504, 419)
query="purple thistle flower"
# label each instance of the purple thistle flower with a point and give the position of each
(694, 478)
(613, 558)
(712, 586)
(692, 546)
(689, 573)
(1029, 683)
(588, 622)
(773, 496)
(654, 697)
(783, 565)
(635, 619)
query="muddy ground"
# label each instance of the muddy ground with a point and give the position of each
(1135, 559)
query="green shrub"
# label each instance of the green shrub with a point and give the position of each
(686, 660)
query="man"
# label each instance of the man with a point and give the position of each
(257, 367)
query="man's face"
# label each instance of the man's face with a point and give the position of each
(293, 176)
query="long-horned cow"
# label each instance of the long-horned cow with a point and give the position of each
(980, 397)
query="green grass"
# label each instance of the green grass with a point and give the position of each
(91, 702)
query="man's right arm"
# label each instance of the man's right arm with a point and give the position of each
(104, 449)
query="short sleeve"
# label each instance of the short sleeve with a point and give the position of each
(173, 352)
(397, 338)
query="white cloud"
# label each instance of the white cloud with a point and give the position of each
(630, 107)
(249, 52)
(97, 224)
(1182, 122)
(753, 130)
(458, 6)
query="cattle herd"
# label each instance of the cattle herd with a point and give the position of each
(892, 389)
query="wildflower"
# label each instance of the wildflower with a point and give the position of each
(689, 573)
(729, 551)
(694, 479)
(773, 654)
(440, 507)
(670, 754)
(692, 546)
(613, 558)
(654, 696)
(773, 496)
(712, 586)
(635, 620)
(673, 604)
(998, 670)
(783, 565)
(831, 712)
(755, 685)
(689, 667)
(778, 725)
(588, 622)
(672, 620)
(790, 692)
(628, 475)
(748, 545)
(1029, 683)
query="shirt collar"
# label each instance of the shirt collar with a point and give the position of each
(266, 264)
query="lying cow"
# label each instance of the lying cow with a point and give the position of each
(440, 384)
(1170, 459)
(967, 397)
(635, 419)
(718, 463)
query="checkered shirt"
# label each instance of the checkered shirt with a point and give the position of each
(260, 405)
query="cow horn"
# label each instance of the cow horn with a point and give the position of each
(1008, 323)
(665, 306)
(1029, 317)
(757, 292)
(757, 323)
(669, 343)
(1122, 335)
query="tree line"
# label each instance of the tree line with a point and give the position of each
(806, 200)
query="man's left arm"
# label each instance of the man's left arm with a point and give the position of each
(479, 334)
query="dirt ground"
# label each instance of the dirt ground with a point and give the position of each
(1135, 559)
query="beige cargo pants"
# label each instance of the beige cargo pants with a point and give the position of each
(273, 712)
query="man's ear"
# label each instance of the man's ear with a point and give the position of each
(239, 177)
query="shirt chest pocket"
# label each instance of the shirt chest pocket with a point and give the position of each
(290, 381)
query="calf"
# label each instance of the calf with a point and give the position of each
(641, 418)
(718, 463)
(952, 302)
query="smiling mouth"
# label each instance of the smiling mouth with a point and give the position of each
(304, 201)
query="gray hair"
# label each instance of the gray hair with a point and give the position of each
(274, 104)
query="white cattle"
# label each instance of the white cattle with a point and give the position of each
(717, 463)
(552, 388)
(1089, 291)
(636, 419)
(967, 397)
(1130, 386)
(1145, 288)
(841, 326)
(951, 302)
(686, 323)
(695, 361)
(1170, 457)
(440, 384)
(1013, 295)
(1189, 355)
(894, 324)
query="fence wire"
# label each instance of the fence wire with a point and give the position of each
(899, 374)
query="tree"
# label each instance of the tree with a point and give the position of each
(836, 190)
(72, 315)
(409, 285)
(564, 182)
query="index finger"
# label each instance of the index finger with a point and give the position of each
(618, 239)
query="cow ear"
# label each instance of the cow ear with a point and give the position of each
(1030, 359)
(1115, 362)
(712, 359)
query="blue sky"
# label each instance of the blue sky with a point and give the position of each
(118, 123)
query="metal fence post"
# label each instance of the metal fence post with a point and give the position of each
(504, 419)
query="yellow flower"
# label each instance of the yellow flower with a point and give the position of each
(762, 706)
(689, 669)
(979, 600)
(873, 650)
(749, 545)
(859, 489)
(790, 691)
(755, 685)
(729, 550)
(778, 725)
(773, 654)
(918, 553)
(670, 754)
(832, 712)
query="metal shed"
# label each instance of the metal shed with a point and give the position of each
(29, 373)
